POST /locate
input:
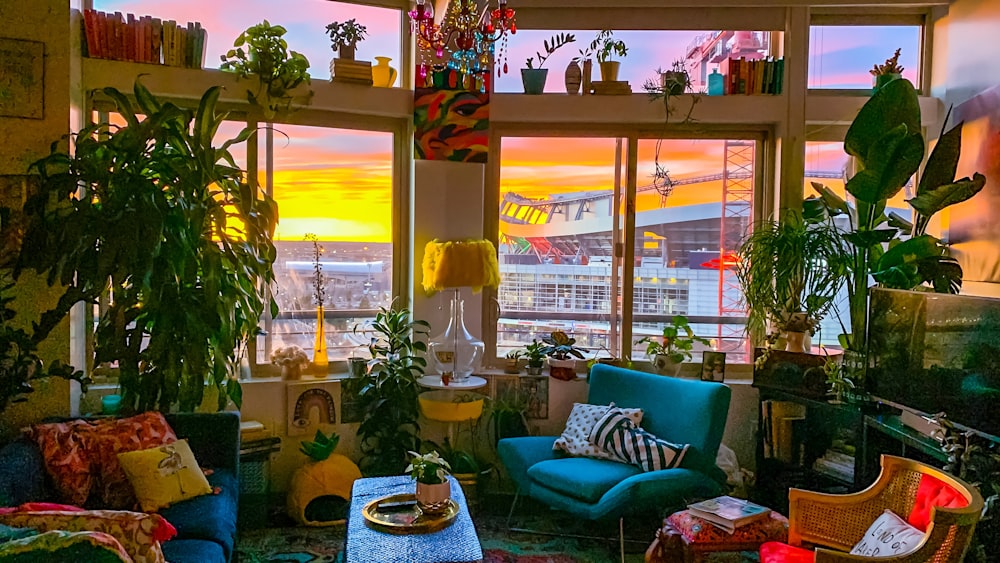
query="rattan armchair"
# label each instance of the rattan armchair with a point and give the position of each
(833, 524)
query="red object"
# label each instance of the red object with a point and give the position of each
(775, 552)
(445, 379)
(933, 492)
(685, 537)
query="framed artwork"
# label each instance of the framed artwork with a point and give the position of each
(22, 78)
(713, 366)
(312, 406)
(451, 124)
(531, 390)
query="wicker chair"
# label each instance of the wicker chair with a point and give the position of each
(838, 522)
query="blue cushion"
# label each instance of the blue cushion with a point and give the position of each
(582, 478)
(208, 517)
(22, 474)
(193, 551)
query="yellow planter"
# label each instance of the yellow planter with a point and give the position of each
(334, 476)
(446, 406)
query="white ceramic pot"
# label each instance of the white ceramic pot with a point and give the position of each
(665, 366)
(433, 499)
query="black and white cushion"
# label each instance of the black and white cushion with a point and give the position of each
(575, 439)
(616, 434)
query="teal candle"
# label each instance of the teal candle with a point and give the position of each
(111, 404)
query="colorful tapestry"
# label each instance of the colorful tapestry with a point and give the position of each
(451, 124)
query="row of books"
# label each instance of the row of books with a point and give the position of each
(144, 39)
(781, 430)
(611, 88)
(763, 76)
(351, 71)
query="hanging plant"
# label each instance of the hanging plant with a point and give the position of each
(661, 89)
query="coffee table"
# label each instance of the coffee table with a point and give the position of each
(458, 543)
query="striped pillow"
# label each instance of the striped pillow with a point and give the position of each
(628, 443)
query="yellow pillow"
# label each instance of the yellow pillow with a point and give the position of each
(164, 475)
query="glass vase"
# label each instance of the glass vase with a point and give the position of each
(455, 352)
(320, 359)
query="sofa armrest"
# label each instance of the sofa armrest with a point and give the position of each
(519, 454)
(214, 437)
(22, 474)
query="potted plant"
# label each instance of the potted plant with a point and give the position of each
(535, 352)
(508, 415)
(336, 474)
(884, 73)
(670, 351)
(388, 393)
(261, 52)
(790, 270)
(886, 140)
(290, 359)
(345, 36)
(430, 472)
(511, 364)
(675, 81)
(561, 351)
(533, 78)
(607, 47)
(165, 217)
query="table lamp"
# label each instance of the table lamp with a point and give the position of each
(454, 265)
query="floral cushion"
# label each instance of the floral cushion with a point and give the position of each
(575, 439)
(114, 436)
(694, 530)
(67, 458)
(138, 533)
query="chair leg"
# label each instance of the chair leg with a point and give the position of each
(621, 537)
(510, 514)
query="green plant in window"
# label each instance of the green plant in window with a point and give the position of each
(346, 34)
(551, 45)
(261, 52)
(607, 47)
(166, 221)
(677, 342)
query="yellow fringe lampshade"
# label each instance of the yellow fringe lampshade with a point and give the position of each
(455, 353)
(469, 263)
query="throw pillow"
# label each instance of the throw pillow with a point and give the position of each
(618, 435)
(575, 438)
(110, 437)
(67, 458)
(165, 475)
(888, 536)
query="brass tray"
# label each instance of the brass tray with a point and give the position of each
(399, 514)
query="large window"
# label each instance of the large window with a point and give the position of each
(701, 52)
(564, 232)
(305, 21)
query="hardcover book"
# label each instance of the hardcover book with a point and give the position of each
(728, 513)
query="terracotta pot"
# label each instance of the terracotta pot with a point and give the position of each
(433, 499)
(609, 70)
(347, 51)
(795, 342)
(564, 370)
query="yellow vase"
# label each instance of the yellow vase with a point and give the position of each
(320, 359)
(383, 75)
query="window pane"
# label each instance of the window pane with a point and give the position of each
(306, 25)
(687, 227)
(337, 185)
(556, 221)
(840, 56)
(702, 52)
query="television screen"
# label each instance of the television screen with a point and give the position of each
(937, 353)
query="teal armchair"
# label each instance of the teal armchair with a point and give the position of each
(677, 410)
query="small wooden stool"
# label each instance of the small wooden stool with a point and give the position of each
(688, 538)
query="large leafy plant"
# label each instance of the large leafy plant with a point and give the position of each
(677, 342)
(793, 264)
(388, 392)
(157, 216)
(888, 146)
(262, 52)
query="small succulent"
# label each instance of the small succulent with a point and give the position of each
(535, 352)
(321, 446)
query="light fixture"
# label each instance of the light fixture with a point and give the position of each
(468, 37)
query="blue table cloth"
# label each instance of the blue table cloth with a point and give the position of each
(458, 543)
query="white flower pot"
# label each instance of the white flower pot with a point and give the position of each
(433, 499)
(665, 366)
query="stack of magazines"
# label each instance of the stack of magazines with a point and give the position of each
(728, 513)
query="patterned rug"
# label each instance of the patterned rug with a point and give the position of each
(286, 544)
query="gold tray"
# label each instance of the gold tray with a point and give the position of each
(399, 514)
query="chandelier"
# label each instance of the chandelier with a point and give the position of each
(470, 38)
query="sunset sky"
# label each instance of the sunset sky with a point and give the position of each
(337, 183)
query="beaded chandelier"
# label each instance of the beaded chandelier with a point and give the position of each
(469, 38)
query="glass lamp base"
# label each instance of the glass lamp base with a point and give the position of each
(455, 353)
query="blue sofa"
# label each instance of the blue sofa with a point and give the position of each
(206, 526)
(677, 410)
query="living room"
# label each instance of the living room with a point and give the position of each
(608, 214)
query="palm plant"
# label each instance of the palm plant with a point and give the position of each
(791, 265)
